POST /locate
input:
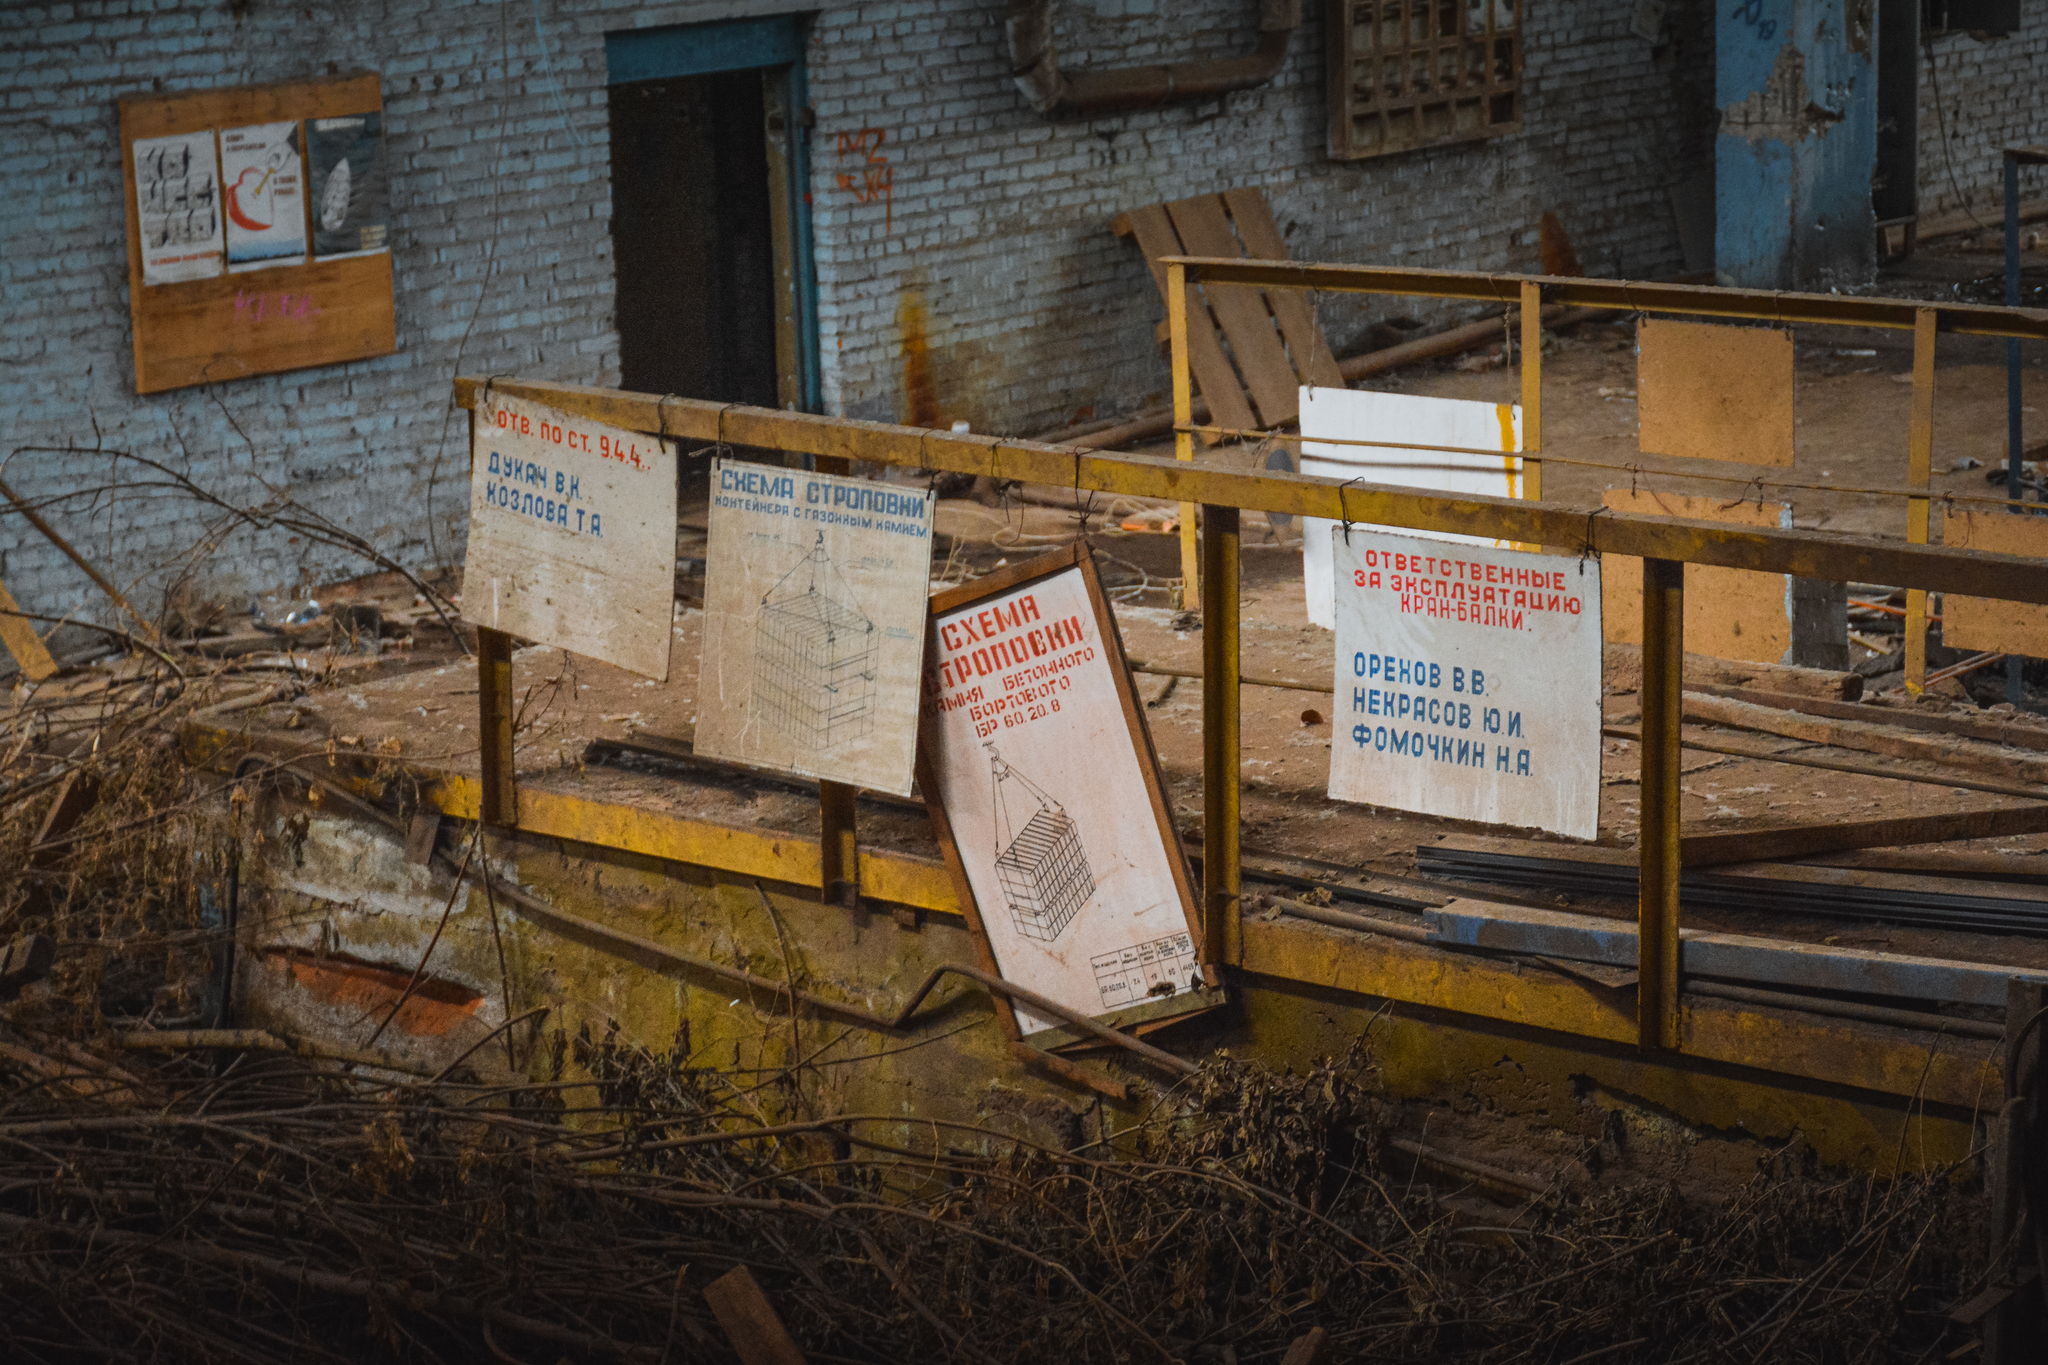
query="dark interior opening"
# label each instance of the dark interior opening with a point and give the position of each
(691, 238)
(1895, 188)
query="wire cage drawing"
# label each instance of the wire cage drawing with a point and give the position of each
(814, 656)
(1042, 868)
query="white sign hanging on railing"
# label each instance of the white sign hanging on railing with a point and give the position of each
(1416, 425)
(1468, 681)
(814, 606)
(572, 533)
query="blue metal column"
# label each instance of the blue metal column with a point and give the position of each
(1796, 83)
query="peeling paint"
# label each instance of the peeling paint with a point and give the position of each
(1784, 110)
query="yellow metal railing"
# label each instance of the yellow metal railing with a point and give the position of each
(1663, 569)
(1663, 543)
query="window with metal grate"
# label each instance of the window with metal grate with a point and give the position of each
(1421, 73)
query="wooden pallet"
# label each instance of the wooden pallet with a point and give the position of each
(1250, 350)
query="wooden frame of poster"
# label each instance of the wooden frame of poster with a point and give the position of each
(236, 323)
(1145, 1011)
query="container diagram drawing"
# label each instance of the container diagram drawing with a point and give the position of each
(1042, 867)
(815, 656)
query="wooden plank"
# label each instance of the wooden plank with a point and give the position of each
(757, 1335)
(18, 633)
(1313, 362)
(1983, 623)
(263, 321)
(1714, 392)
(1729, 613)
(1785, 842)
(1228, 406)
(1990, 731)
(1247, 325)
(1964, 754)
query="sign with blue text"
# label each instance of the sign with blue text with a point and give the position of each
(814, 602)
(1468, 681)
(572, 533)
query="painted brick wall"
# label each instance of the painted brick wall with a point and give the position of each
(998, 229)
(993, 246)
(1993, 94)
(492, 175)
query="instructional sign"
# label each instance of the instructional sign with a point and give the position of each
(264, 196)
(1468, 682)
(572, 534)
(814, 606)
(177, 201)
(1043, 777)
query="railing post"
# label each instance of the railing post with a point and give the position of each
(1919, 464)
(500, 803)
(838, 846)
(1532, 390)
(1183, 417)
(2015, 691)
(1657, 841)
(1220, 757)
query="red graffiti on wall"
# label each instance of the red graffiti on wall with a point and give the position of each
(274, 307)
(875, 177)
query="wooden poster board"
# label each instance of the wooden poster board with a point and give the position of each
(1045, 793)
(1729, 613)
(1983, 623)
(1708, 391)
(285, 317)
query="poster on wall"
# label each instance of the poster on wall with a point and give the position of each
(1044, 786)
(814, 604)
(177, 203)
(263, 195)
(1456, 436)
(572, 533)
(1468, 681)
(351, 185)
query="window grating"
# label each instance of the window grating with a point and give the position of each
(1420, 73)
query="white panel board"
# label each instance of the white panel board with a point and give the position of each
(1036, 767)
(572, 534)
(814, 605)
(1329, 415)
(1468, 682)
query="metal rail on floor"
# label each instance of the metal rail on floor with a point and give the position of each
(1664, 543)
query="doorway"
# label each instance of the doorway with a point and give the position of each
(710, 229)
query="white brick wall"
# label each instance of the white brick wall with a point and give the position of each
(1993, 95)
(997, 230)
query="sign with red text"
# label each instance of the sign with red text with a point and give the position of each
(572, 533)
(1036, 753)
(814, 601)
(1468, 682)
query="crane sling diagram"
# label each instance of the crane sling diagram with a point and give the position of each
(1042, 867)
(814, 656)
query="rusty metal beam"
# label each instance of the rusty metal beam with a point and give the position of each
(1632, 296)
(1806, 554)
